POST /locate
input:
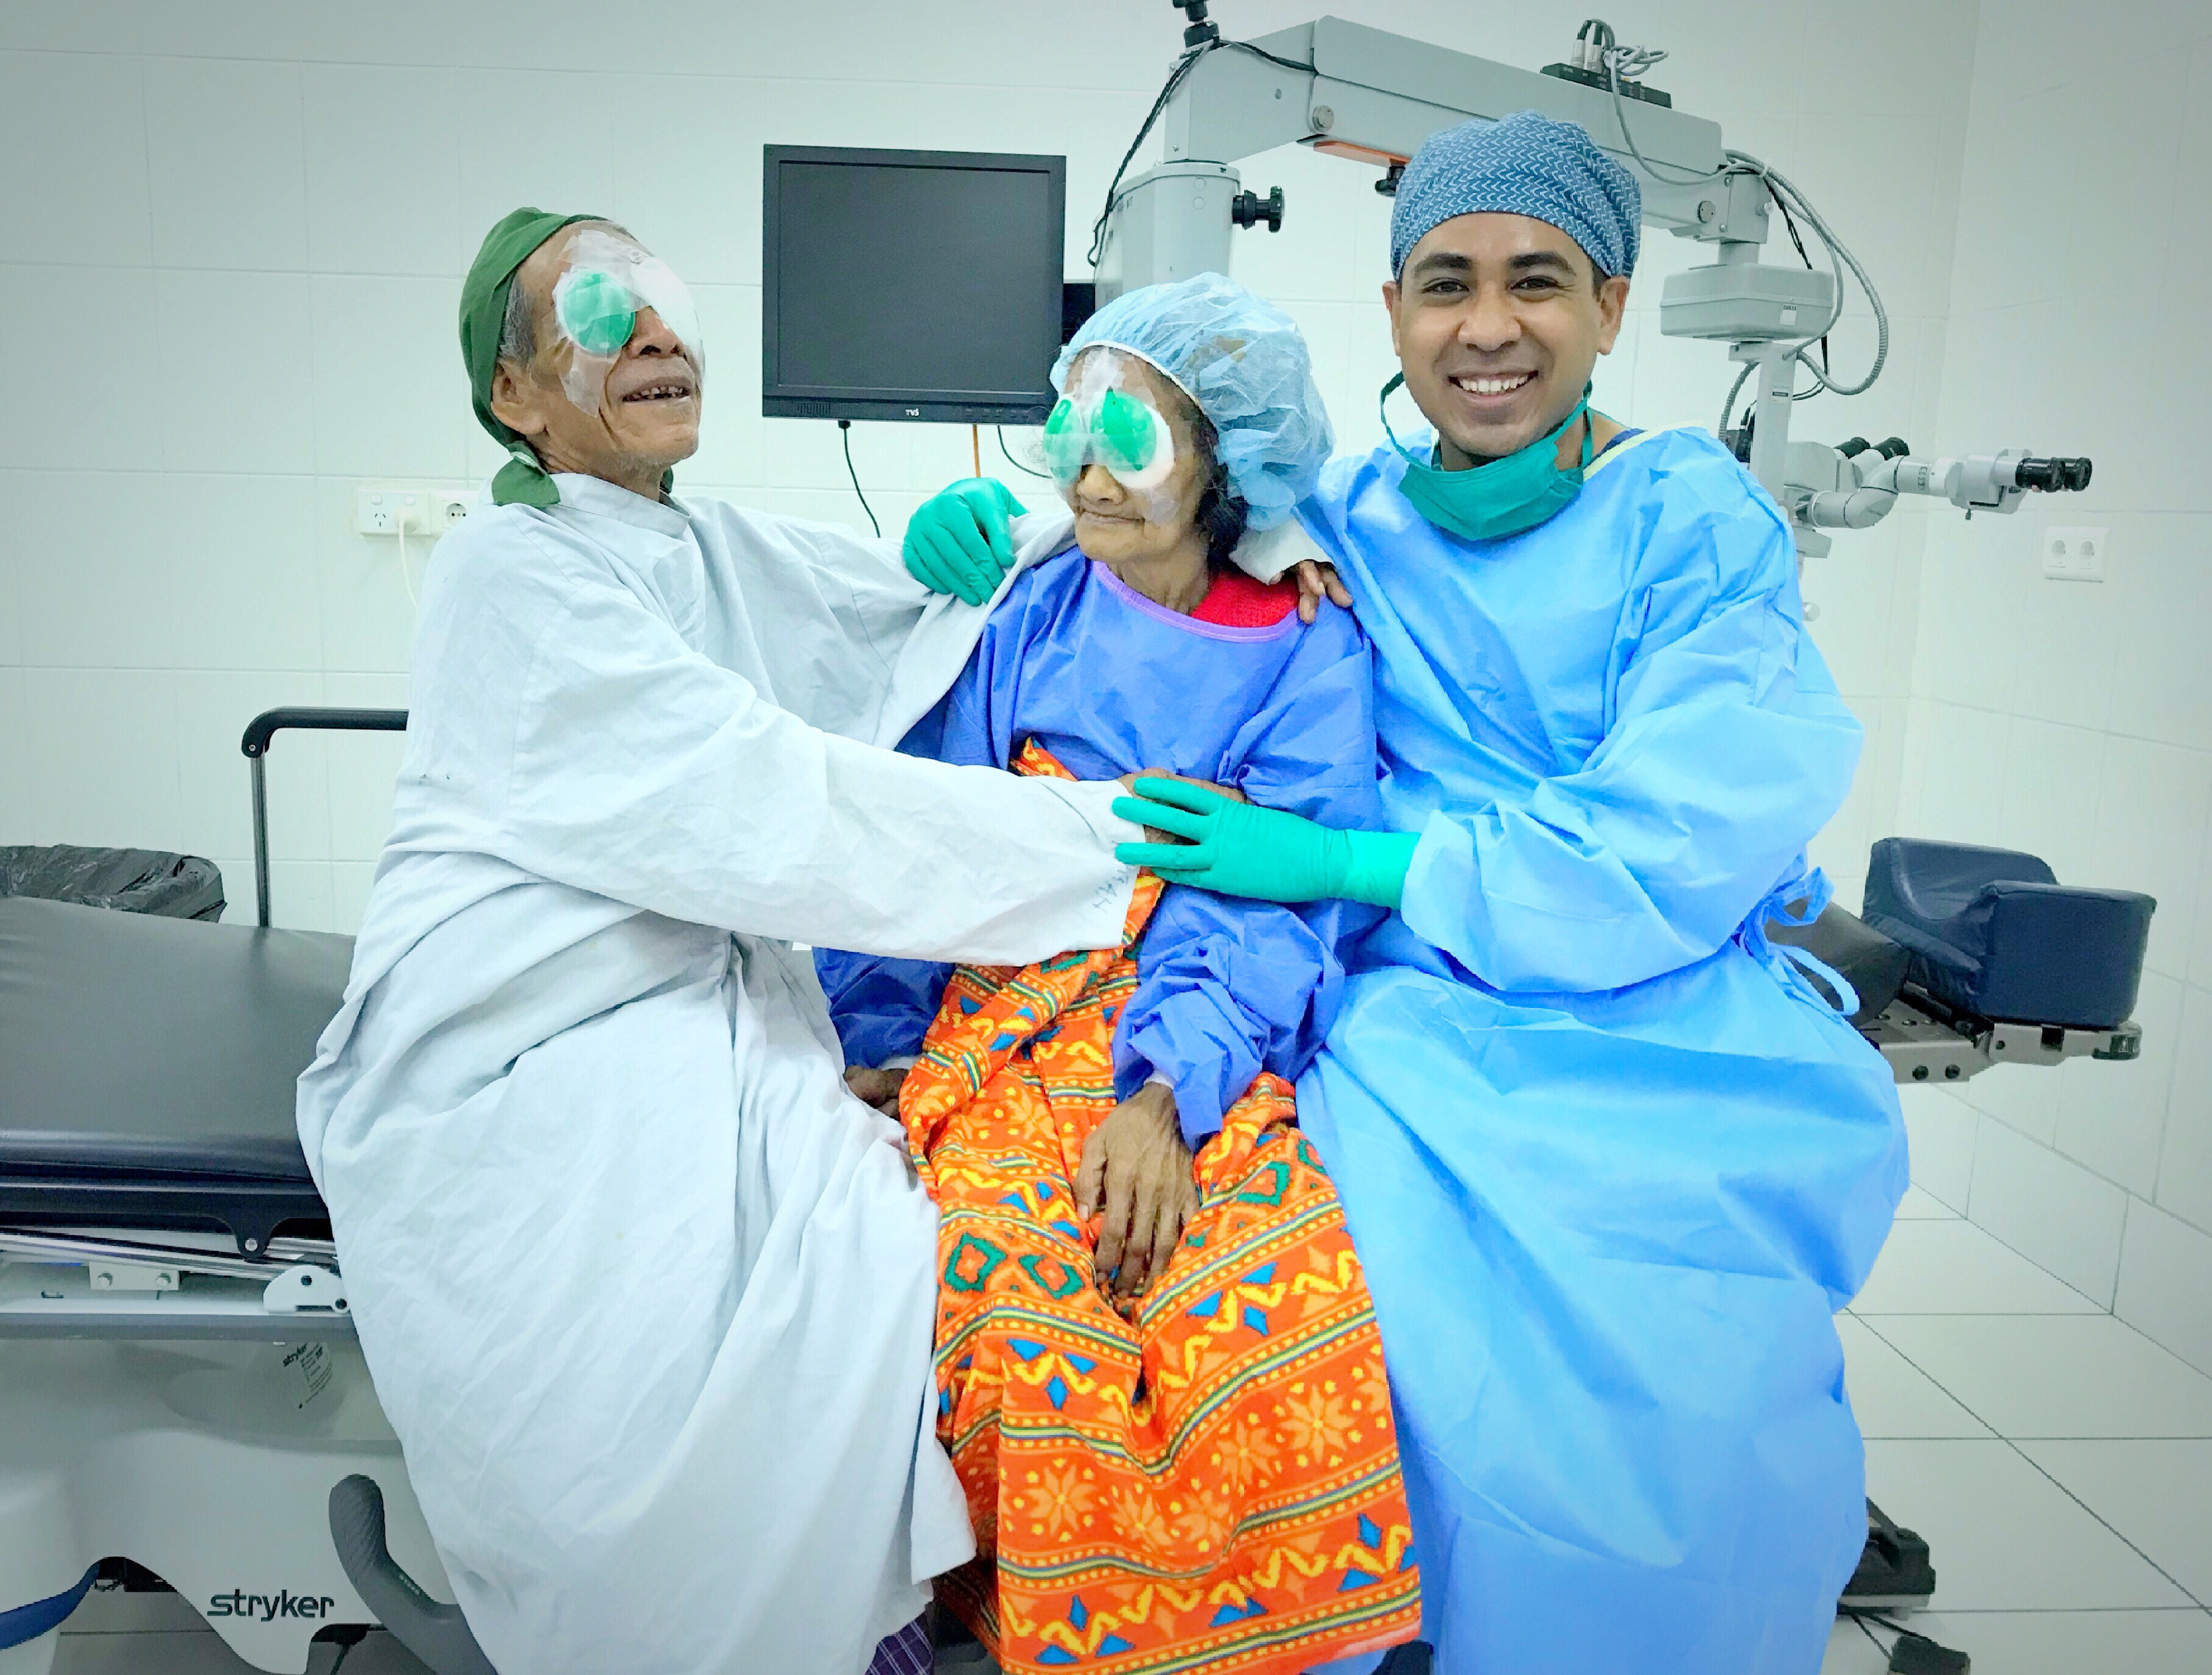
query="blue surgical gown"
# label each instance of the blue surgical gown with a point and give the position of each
(1610, 1163)
(1111, 683)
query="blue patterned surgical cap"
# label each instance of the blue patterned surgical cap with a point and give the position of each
(1525, 165)
(1243, 363)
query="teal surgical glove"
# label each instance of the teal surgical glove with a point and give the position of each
(959, 543)
(1241, 850)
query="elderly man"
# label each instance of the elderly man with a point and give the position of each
(648, 1295)
(1610, 1162)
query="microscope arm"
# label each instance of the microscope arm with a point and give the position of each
(1355, 92)
(1376, 95)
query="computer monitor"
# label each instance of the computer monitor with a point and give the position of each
(920, 285)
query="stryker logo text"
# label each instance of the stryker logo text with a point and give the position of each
(267, 1608)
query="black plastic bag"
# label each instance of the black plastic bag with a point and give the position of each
(135, 881)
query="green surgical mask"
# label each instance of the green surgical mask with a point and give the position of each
(1499, 497)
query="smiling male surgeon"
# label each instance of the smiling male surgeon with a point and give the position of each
(1611, 1163)
(647, 1294)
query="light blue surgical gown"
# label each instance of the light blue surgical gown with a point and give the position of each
(1111, 683)
(1611, 1164)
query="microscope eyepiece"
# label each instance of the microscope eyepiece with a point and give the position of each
(2052, 475)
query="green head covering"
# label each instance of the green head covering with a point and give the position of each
(484, 315)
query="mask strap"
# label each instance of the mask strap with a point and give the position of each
(1576, 412)
(1383, 408)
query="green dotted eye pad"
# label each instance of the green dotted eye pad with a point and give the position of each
(596, 309)
(1128, 437)
(1129, 433)
(1066, 440)
(608, 283)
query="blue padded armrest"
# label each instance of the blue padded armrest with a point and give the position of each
(1993, 932)
(1875, 966)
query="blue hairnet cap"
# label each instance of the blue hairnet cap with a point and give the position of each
(1244, 363)
(1525, 165)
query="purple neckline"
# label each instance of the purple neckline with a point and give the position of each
(1154, 609)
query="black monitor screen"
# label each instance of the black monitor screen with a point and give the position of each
(910, 284)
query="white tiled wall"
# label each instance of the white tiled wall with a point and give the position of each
(231, 238)
(2071, 719)
(230, 251)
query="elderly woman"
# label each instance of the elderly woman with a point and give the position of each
(1158, 1373)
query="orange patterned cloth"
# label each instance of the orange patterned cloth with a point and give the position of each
(1208, 1480)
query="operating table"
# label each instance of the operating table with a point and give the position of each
(180, 1385)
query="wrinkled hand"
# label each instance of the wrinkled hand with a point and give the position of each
(958, 541)
(1136, 1167)
(1318, 580)
(878, 1088)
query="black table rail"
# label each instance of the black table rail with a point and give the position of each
(261, 732)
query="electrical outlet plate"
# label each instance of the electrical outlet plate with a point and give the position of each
(2076, 553)
(388, 511)
(386, 508)
(448, 506)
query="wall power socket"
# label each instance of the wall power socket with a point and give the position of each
(449, 506)
(2076, 553)
(388, 509)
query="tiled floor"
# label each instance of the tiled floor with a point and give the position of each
(2058, 1462)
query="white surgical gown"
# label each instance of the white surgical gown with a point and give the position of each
(647, 1294)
